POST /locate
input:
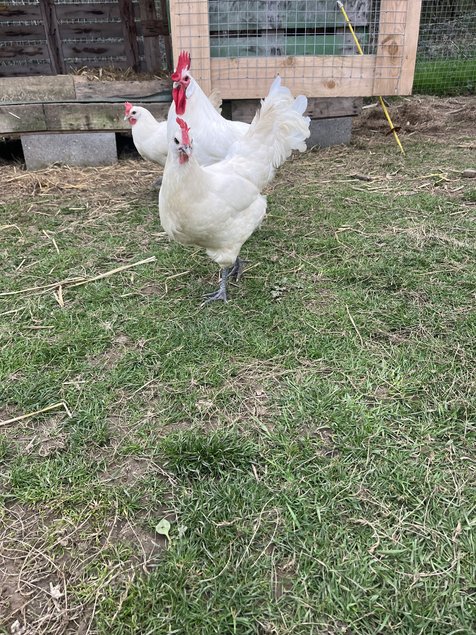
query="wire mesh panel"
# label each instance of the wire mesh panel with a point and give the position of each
(446, 57)
(240, 45)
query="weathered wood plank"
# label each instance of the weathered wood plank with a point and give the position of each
(66, 117)
(151, 29)
(153, 90)
(322, 108)
(91, 30)
(106, 11)
(53, 39)
(93, 49)
(23, 12)
(236, 15)
(25, 69)
(21, 89)
(129, 33)
(21, 32)
(166, 37)
(22, 117)
(329, 76)
(17, 52)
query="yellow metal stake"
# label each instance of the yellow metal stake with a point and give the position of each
(359, 48)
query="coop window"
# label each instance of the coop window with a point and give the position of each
(263, 28)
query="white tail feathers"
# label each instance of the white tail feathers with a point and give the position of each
(278, 128)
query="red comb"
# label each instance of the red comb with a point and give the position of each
(185, 130)
(128, 107)
(183, 64)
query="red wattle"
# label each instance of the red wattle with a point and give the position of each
(180, 100)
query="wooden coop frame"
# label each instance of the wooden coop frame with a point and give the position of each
(388, 71)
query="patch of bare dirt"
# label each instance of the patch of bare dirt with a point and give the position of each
(46, 557)
(429, 116)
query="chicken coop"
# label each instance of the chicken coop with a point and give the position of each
(239, 46)
(48, 49)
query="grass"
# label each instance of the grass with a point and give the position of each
(311, 443)
(445, 77)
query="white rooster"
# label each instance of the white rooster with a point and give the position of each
(219, 206)
(213, 135)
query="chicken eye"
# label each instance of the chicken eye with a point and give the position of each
(186, 78)
(176, 141)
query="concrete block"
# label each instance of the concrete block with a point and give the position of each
(82, 149)
(330, 132)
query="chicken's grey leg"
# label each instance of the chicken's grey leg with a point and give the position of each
(237, 269)
(220, 294)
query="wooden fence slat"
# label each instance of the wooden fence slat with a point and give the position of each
(25, 69)
(129, 32)
(24, 52)
(106, 11)
(93, 49)
(53, 39)
(151, 30)
(91, 30)
(21, 12)
(21, 32)
(166, 37)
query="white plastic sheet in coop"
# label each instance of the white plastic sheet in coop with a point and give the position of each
(238, 46)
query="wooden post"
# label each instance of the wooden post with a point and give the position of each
(166, 36)
(396, 49)
(151, 29)
(190, 30)
(53, 38)
(129, 31)
(411, 44)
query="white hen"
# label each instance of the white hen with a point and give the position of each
(213, 135)
(218, 207)
(148, 134)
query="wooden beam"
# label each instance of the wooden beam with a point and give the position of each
(68, 117)
(150, 90)
(148, 16)
(190, 31)
(318, 108)
(390, 47)
(166, 38)
(21, 118)
(41, 88)
(53, 38)
(328, 76)
(412, 28)
(129, 31)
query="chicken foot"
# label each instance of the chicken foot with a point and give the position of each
(220, 293)
(226, 273)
